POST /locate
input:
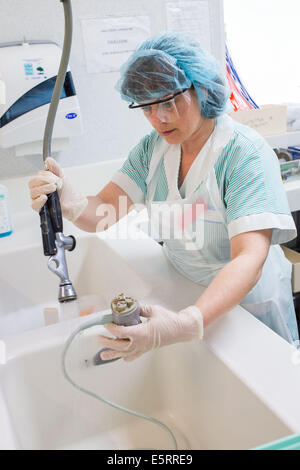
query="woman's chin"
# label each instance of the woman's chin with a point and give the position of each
(173, 138)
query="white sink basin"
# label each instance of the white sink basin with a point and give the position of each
(185, 386)
(96, 267)
(27, 286)
(235, 390)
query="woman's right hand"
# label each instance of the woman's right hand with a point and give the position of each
(47, 181)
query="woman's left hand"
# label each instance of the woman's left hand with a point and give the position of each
(162, 327)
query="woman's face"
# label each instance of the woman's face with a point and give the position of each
(178, 123)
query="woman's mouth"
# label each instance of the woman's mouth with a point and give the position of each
(168, 132)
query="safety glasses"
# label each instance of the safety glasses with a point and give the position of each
(165, 100)
(167, 109)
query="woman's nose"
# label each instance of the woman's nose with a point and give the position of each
(158, 118)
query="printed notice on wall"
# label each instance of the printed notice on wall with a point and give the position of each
(190, 17)
(108, 42)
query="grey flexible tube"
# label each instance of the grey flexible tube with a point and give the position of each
(102, 321)
(63, 67)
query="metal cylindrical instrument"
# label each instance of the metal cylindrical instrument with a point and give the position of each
(125, 312)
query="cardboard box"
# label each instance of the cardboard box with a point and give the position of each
(268, 120)
(294, 258)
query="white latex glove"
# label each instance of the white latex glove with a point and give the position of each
(46, 182)
(163, 327)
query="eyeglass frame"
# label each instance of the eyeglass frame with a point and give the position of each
(135, 106)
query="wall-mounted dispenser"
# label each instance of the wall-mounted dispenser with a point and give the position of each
(28, 71)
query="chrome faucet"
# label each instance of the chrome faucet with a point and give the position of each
(66, 290)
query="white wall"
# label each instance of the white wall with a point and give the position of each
(110, 129)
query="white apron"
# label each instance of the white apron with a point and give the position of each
(204, 248)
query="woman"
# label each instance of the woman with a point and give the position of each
(225, 178)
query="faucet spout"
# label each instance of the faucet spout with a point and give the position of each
(58, 265)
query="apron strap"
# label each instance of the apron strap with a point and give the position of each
(157, 156)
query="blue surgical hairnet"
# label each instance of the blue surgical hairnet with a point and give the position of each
(174, 61)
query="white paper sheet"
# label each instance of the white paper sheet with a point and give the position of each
(108, 42)
(190, 17)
